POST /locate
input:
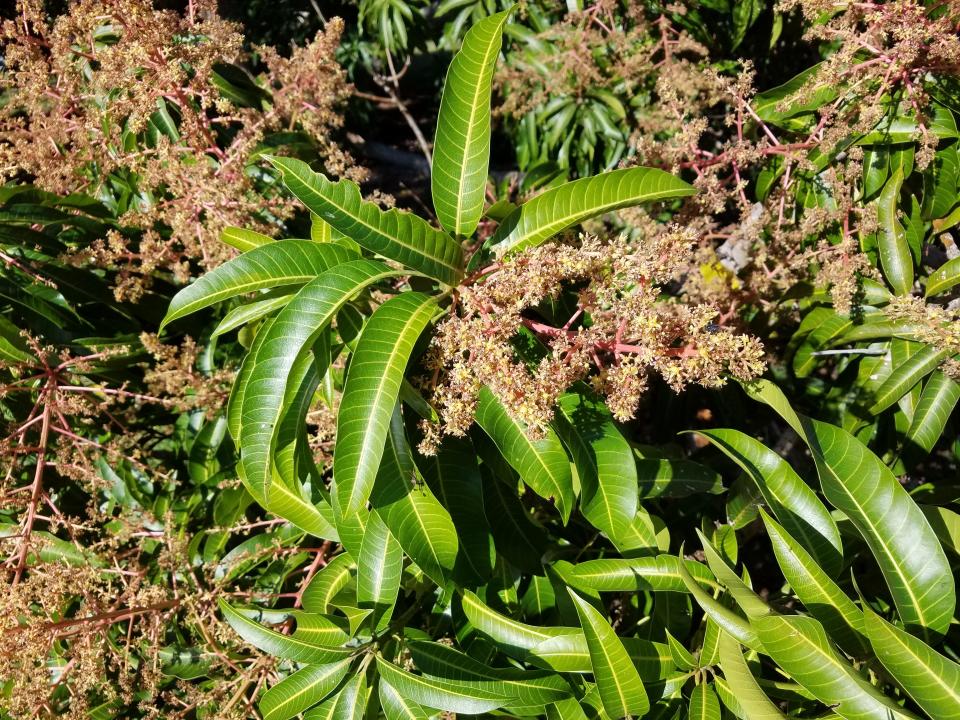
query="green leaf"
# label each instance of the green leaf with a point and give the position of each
(291, 334)
(274, 643)
(243, 239)
(301, 690)
(905, 375)
(352, 699)
(670, 478)
(796, 506)
(251, 311)
(727, 619)
(657, 574)
(621, 690)
(745, 14)
(440, 694)
(604, 462)
(291, 262)
(370, 394)
(821, 596)
(754, 702)
(397, 707)
(943, 278)
(931, 679)
(379, 566)
(937, 401)
(524, 687)
(461, 151)
(855, 481)
(751, 603)
(317, 629)
(394, 234)
(766, 104)
(562, 649)
(542, 464)
(704, 704)
(409, 509)
(895, 257)
(330, 580)
(800, 647)
(563, 207)
(454, 477)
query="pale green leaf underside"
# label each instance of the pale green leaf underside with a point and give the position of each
(931, 679)
(821, 596)
(796, 506)
(743, 684)
(301, 690)
(913, 563)
(440, 694)
(394, 234)
(800, 647)
(563, 207)
(461, 150)
(277, 644)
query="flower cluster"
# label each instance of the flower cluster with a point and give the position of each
(499, 333)
(122, 101)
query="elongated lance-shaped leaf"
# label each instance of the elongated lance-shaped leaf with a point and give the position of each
(290, 335)
(895, 257)
(751, 603)
(563, 207)
(621, 690)
(370, 395)
(913, 563)
(291, 262)
(379, 566)
(931, 679)
(800, 647)
(525, 687)
(331, 579)
(409, 509)
(454, 477)
(235, 401)
(704, 703)
(796, 506)
(397, 707)
(461, 150)
(727, 619)
(301, 690)
(542, 464)
(243, 239)
(352, 699)
(744, 686)
(660, 573)
(326, 630)
(292, 504)
(251, 311)
(394, 234)
(937, 400)
(440, 694)
(284, 646)
(821, 596)
(604, 461)
(943, 278)
(905, 375)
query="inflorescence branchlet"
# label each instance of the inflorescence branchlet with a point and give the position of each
(500, 335)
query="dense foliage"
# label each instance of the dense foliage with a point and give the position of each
(643, 404)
